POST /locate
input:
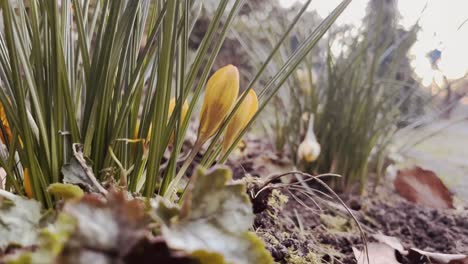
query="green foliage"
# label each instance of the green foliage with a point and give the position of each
(211, 227)
(360, 104)
(214, 220)
(88, 229)
(101, 73)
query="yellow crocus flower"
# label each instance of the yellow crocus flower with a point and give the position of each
(172, 104)
(241, 118)
(220, 96)
(27, 183)
(6, 126)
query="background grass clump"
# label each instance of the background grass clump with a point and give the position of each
(358, 84)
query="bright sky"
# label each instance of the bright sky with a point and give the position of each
(439, 22)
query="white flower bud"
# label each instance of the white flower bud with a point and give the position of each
(309, 149)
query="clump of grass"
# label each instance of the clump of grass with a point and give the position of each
(118, 77)
(356, 96)
(361, 103)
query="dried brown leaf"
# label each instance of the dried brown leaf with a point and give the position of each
(379, 253)
(423, 187)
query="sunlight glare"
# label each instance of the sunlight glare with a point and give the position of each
(439, 23)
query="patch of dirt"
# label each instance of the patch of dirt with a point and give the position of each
(294, 233)
(429, 229)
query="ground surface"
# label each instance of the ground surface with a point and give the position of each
(295, 234)
(299, 228)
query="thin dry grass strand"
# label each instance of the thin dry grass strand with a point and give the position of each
(299, 222)
(299, 176)
(297, 199)
(308, 195)
(317, 191)
(361, 230)
(267, 184)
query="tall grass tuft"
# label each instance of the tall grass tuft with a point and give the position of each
(102, 73)
(354, 85)
(364, 90)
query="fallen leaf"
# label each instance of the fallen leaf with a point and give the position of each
(391, 241)
(78, 171)
(51, 242)
(417, 256)
(73, 173)
(100, 231)
(114, 225)
(150, 251)
(379, 253)
(19, 220)
(423, 187)
(420, 257)
(214, 220)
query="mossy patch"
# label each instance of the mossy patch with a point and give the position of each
(277, 200)
(310, 258)
(336, 223)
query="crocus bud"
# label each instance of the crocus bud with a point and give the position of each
(172, 104)
(241, 118)
(27, 183)
(309, 149)
(220, 96)
(304, 80)
(5, 133)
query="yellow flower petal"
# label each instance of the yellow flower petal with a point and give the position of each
(220, 96)
(172, 105)
(27, 183)
(241, 118)
(6, 131)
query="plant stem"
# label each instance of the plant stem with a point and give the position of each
(172, 186)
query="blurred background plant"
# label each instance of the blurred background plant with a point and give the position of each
(358, 83)
(101, 72)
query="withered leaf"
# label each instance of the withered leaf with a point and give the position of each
(214, 221)
(423, 187)
(19, 220)
(74, 173)
(378, 253)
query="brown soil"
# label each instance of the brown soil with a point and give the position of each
(434, 230)
(296, 231)
(295, 234)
